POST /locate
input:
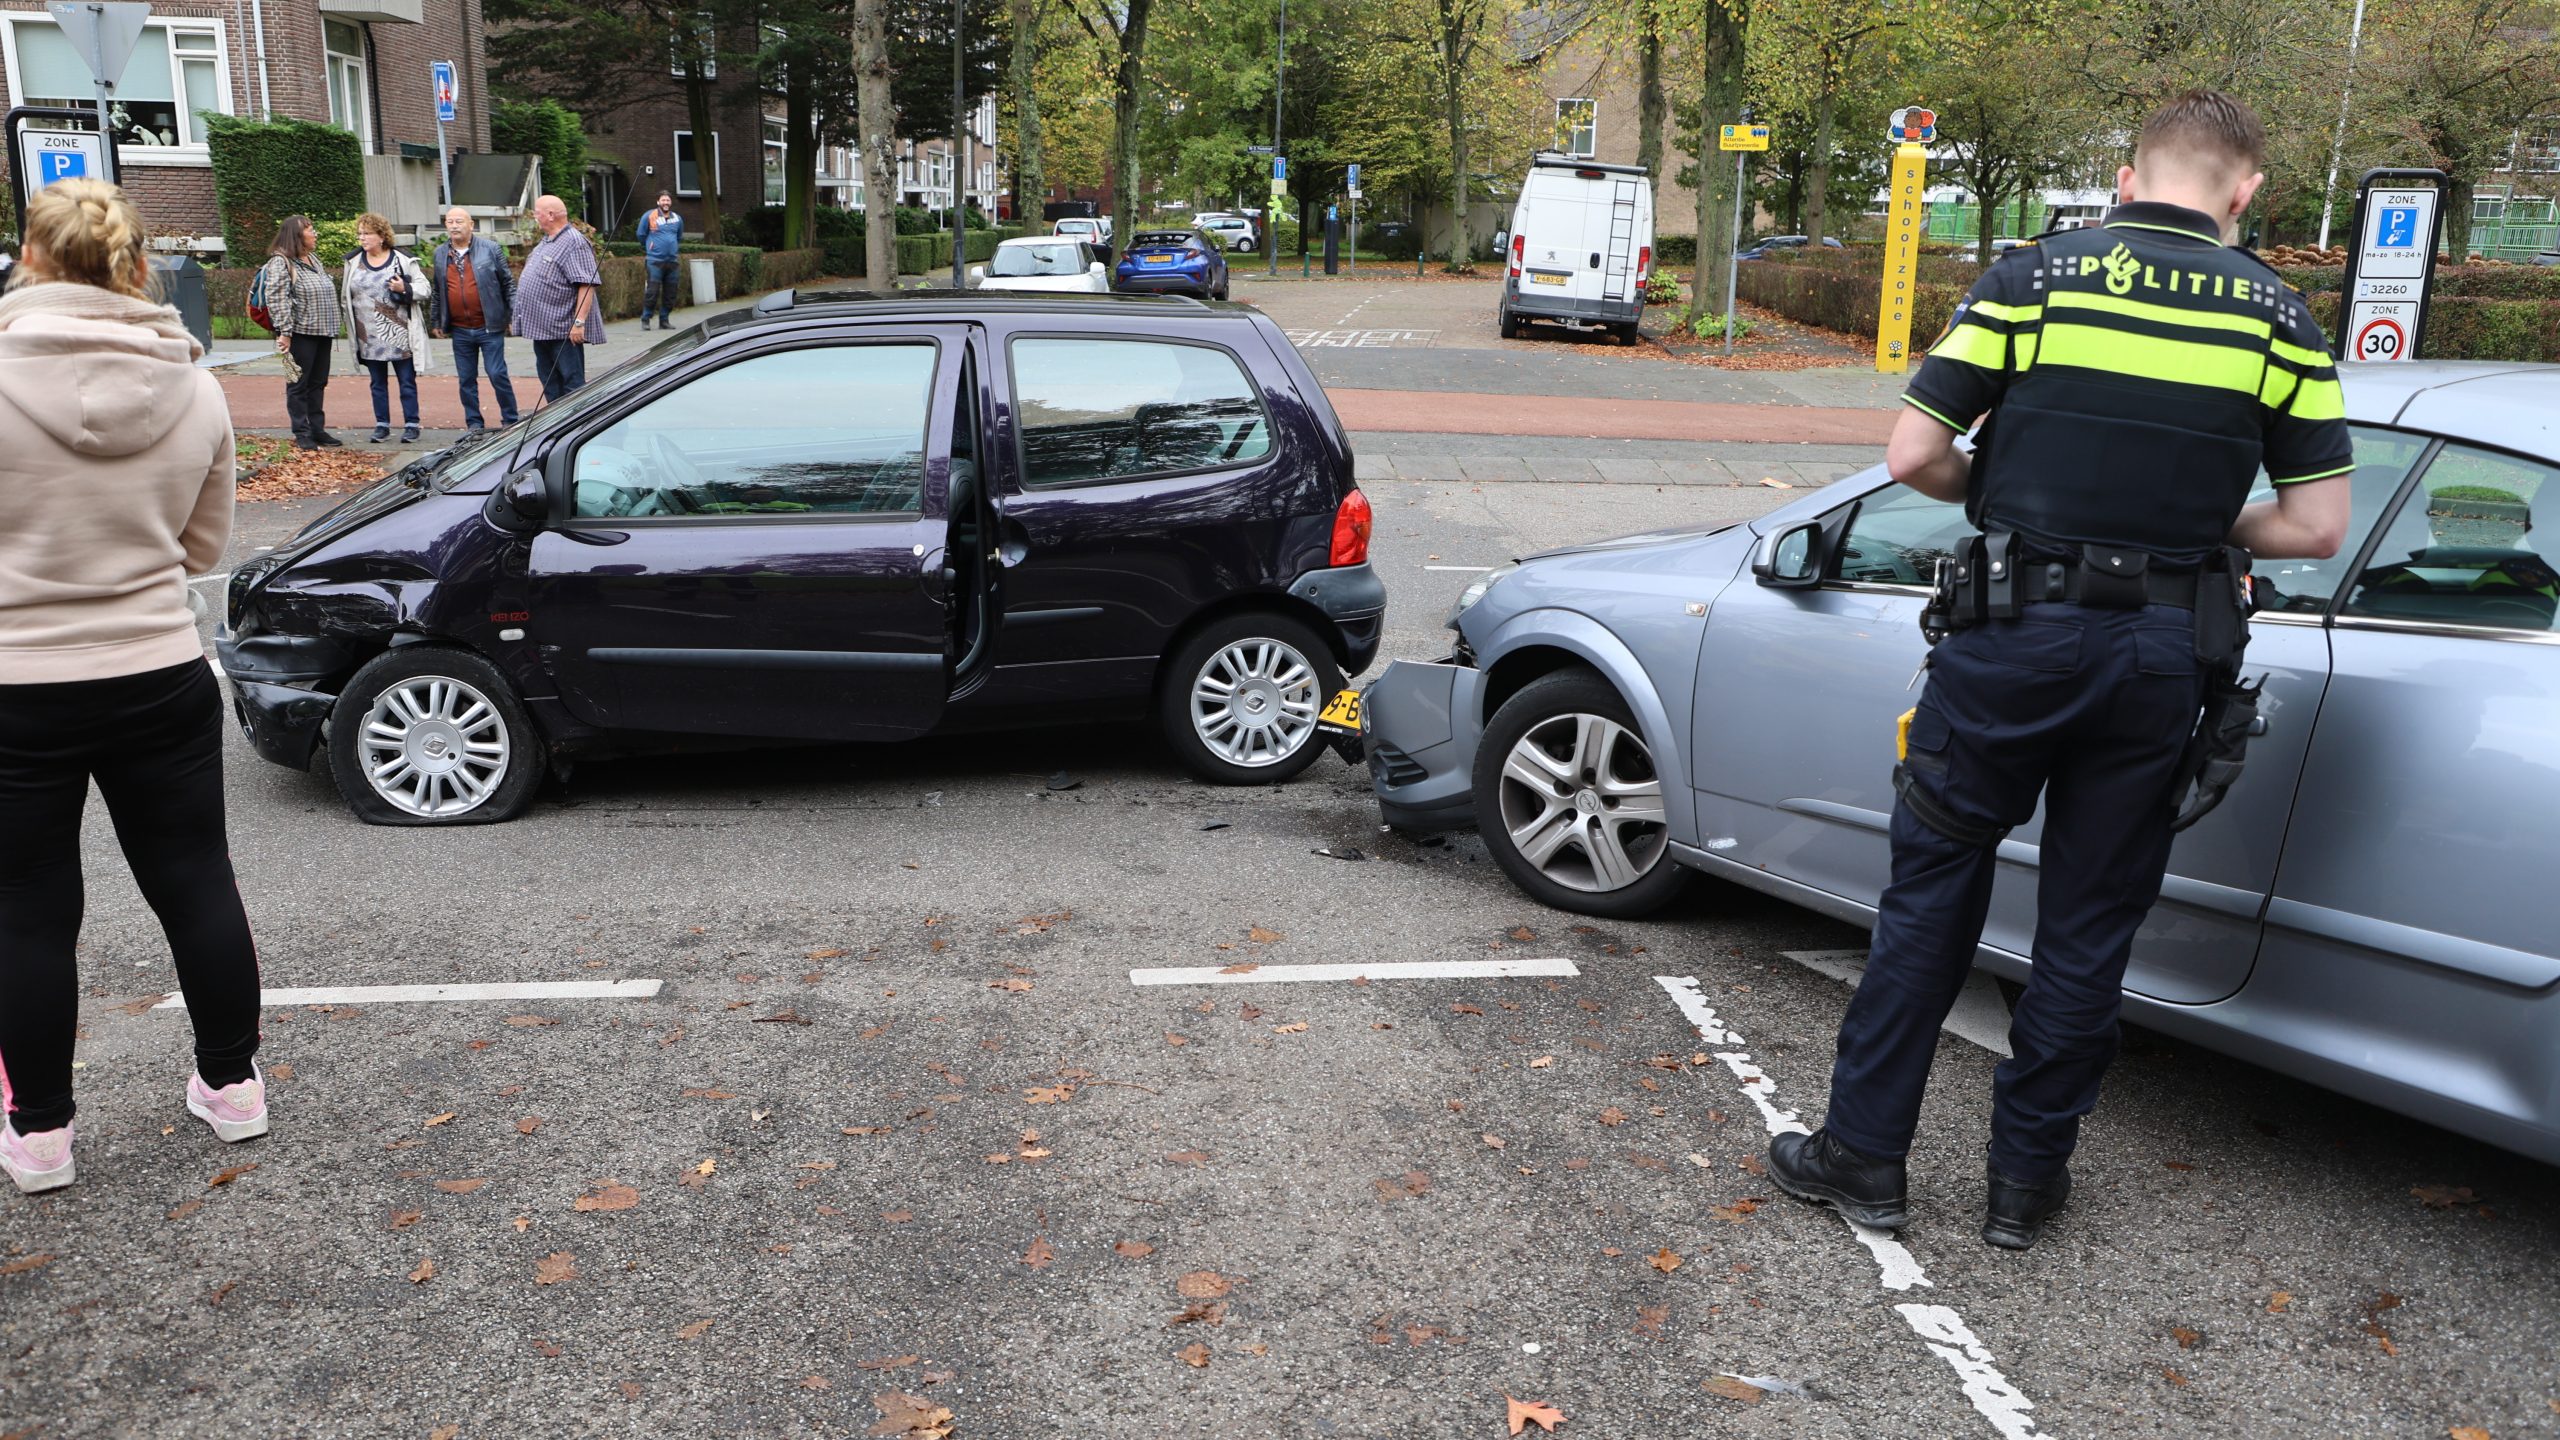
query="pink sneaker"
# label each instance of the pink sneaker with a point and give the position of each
(38, 1162)
(236, 1112)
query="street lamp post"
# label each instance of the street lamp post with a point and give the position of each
(1271, 206)
(959, 159)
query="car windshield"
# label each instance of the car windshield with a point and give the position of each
(604, 387)
(1077, 227)
(1021, 260)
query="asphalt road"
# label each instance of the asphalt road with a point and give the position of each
(900, 1123)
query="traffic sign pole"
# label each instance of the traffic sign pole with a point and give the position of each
(1911, 129)
(2391, 265)
(1740, 139)
(440, 75)
(104, 33)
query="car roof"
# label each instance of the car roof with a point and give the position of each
(1034, 240)
(962, 305)
(2509, 404)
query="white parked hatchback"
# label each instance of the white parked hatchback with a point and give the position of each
(1043, 262)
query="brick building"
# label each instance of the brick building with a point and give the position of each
(358, 64)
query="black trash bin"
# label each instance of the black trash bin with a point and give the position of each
(181, 283)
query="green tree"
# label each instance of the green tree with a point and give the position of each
(1723, 37)
(2451, 82)
(2006, 126)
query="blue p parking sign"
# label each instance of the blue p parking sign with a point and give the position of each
(2396, 227)
(53, 165)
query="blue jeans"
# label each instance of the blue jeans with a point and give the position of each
(471, 348)
(381, 370)
(2091, 709)
(562, 364)
(660, 296)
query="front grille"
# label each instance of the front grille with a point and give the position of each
(1391, 766)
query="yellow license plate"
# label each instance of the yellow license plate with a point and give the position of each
(1541, 277)
(1341, 713)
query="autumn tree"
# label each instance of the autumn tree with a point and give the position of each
(2452, 82)
(1723, 36)
(875, 82)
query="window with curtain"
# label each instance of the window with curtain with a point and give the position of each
(174, 77)
(776, 146)
(350, 98)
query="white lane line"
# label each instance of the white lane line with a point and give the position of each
(1389, 970)
(1941, 1328)
(1470, 569)
(1980, 1015)
(407, 994)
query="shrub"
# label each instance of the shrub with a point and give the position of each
(761, 228)
(915, 220)
(553, 131)
(1675, 249)
(1406, 246)
(266, 170)
(786, 268)
(1711, 327)
(2472, 327)
(1661, 288)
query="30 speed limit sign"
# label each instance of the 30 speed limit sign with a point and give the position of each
(2380, 331)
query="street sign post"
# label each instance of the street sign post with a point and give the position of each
(2399, 214)
(1740, 139)
(48, 143)
(1910, 129)
(440, 74)
(104, 33)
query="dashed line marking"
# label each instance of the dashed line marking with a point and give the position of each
(1938, 1326)
(416, 994)
(1388, 970)
(1470, 569)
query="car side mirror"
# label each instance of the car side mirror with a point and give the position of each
(1502, 242)
(1791, 559)
(520, 505)
(1094, 269)
(977, 274)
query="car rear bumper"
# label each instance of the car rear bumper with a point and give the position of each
(1355, 600)
(1159, 281)
(1419, 728)
(1526, 302)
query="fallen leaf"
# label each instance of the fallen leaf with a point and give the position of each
(1203, 1285)
(816, 1382)
(2279, 1300)
(403, 1219)
(1250, 1012)
(607, 1195)
(523, 1223)
(694, 1331)
(1246, 967)
(815, 1165)
(711, 1094)
(186, 1208)
(1039, 1256)
(1172, 1039)
(1734, 1212)
(1295, 1027)
(897, 1217)
(829, 953)
(555, 1267)
(2185, 1337)
(1010, 987)
(866, 1129)
(225, 1177)
(1524, 934)
(1650, 1319)
(425, 1272)
(22, 1266)
(1751, 1164)
(2444, 1197)
(1542, 1062)
(528, 1124)
(894, 1362)
(2172, 1376)
(2466, 1432)
(1531, 1412)
(1612, 1251)
(1664, 1260)
(1732, 1387)
(1461, 1008)
(527, 1022)
(441, 1432)
(435, 1120)
(2178, 1164)
(1262, 936)
(1189, 1157)
(1496, 1141)
(708, 1166)
(784, 1017)
(1048, 1094)
(1202, 1312)
(904, 1417)
(1133, 1249)
(461, 1187)
(1195, 1355)
(1613, 1117)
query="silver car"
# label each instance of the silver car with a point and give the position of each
(2375, 907)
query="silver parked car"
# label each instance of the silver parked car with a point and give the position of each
(2372, 908)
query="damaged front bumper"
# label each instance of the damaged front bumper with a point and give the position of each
(1420, 725)
(274, 690)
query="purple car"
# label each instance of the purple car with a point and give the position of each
(834, 518)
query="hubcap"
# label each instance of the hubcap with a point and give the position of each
(433, 747)
(1254, 703)
(1581, 802)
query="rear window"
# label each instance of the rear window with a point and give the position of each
(1096, 409)
(1164, 237)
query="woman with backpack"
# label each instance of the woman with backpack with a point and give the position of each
(385, 295)
(302, 307)
(115, 486)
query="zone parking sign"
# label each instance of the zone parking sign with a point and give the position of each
(2398, 214)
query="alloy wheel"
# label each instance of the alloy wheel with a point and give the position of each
(1581, 802)
(434, 747)
(1254, 702)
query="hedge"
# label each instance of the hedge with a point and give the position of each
(1836, 299)
(553, 131)
(2483, 282)
(2471, 327)
(266, 170)
(927, 254)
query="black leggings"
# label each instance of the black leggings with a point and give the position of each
(153, 742)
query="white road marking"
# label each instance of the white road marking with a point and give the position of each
(1362, 339)
(1470, 569)
(1937, 1326)
(1980, 1015)
(1389, 970)
(408, 994)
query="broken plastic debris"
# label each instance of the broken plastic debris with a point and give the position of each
(1064, 781)
(1345, 853)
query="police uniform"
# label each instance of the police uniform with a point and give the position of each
(2135, 377)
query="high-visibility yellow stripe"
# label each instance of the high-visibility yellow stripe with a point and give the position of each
(2307, 359)
(2164, 314)
(2013, 314)
(2278, 387)
(2319, 400)
(1973, 345)
(2329, 474)
(2184, 362)
(2022, 348)
(1935, 415)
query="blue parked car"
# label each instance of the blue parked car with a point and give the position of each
(1181, 262)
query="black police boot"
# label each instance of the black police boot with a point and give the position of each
(2018, 1210)
(1818, 1168)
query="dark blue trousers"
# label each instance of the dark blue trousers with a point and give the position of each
(2089, 709)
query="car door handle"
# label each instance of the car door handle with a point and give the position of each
(2258, 726)
(594, 537)
(1595, 259)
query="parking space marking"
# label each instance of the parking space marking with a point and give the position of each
(413, 994)
(1251, 974)
(1980, 1015)
(1939, 1327)
(1362, 339)
(1470, 569)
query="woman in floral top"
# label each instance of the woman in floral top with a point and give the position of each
(386, 293)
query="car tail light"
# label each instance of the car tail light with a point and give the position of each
(1644, 264)
(1519, 253)
(1351, 525)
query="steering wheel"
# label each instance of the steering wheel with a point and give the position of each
(682, 474)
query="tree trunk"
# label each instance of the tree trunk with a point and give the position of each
(1125, 84)
(878, 144)
(706, 166)
(1649, 102)
(1454, 45)
(1795, 193)
(1987, 217)
(2025, 196)
(1817, 180)
(1720, 106)
(799, 160)
(1030, 184)
(2457, 217)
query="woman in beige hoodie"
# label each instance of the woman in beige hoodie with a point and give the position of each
(115, 486)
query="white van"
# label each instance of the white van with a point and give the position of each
(1579, 246)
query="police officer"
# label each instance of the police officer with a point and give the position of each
(2131, 379)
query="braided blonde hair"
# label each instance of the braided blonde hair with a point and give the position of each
(88, 233)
